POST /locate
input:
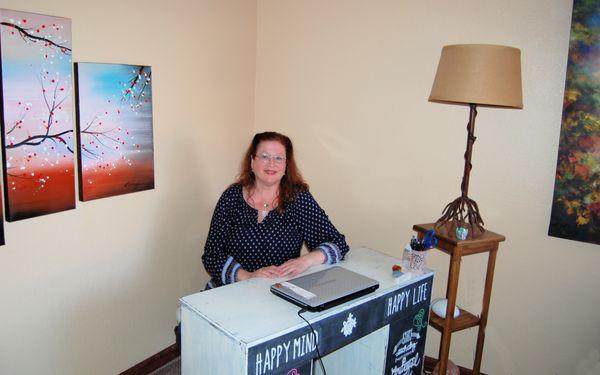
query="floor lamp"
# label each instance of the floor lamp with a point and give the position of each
(474, 75)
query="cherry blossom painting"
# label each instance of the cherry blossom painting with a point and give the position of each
(114, 129)
(37, 115)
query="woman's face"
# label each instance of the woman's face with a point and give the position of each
(269, 162)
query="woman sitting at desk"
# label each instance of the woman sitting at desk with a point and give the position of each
(261, 221)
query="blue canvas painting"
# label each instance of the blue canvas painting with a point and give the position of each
(114, 129)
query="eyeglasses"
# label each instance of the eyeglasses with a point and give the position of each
(266, 158)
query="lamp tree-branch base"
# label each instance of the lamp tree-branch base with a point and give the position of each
(461, 212)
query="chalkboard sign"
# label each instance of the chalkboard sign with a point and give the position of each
(300, 369)
(406, 344)
(404, 309)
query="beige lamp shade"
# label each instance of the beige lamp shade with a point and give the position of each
(482, 74)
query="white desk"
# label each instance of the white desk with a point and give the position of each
(243, 328)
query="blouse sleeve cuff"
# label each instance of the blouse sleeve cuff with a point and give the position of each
(331, 251)
(229, 272)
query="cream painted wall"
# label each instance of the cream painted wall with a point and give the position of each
(94, 290)
(348, 80)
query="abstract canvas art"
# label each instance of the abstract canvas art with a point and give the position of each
(1, 227)
(37, 114)
(114, 129)
(576, 204)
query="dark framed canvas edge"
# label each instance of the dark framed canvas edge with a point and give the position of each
(4, 177)
(2, 138)
(77, 129)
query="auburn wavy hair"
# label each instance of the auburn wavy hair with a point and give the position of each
(291, 183)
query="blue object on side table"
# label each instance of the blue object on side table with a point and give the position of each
(429, 239)
(461, 233)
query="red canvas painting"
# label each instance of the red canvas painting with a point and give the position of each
(37, 116)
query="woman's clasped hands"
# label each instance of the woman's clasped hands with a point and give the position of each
(290, 268)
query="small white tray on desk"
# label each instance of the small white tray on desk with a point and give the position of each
(243, 328)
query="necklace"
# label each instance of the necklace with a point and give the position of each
(265, 211)
(262, 210)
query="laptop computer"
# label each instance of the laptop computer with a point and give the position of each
(324, 289)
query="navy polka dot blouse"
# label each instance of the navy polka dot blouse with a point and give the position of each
(237, 240)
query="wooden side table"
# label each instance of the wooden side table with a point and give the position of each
(487, 242)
